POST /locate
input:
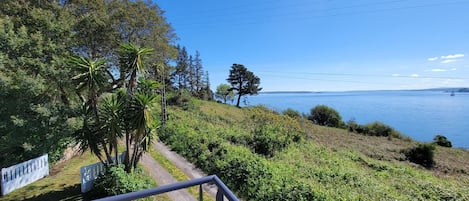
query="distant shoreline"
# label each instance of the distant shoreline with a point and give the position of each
(447, 90)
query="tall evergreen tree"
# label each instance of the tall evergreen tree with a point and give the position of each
(191, 75)
(242, 81)
(206, 93)
(198, 72)
(180, 73)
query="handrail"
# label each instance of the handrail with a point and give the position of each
(223, 190)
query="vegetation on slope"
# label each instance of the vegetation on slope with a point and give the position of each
(263, 155)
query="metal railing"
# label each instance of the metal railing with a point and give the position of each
(223, 190)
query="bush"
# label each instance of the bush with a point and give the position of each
(268, 139)
(116, 181)
(422, 154)
(353, 126)
(373, 129)
(326, 116)
(381, 129)
(442, 141)
(292, 113)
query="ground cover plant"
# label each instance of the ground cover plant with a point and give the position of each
(264, 155)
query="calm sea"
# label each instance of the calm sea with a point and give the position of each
(418, 114)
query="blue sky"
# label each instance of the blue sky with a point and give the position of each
(329, 45)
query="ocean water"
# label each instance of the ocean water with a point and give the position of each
(418, 114)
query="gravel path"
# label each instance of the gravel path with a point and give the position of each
(188, 168)
(162, 177)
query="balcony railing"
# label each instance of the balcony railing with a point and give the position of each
(222, 192)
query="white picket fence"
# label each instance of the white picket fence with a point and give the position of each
(89, 173)
(24, 173)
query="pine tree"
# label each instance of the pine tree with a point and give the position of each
(242, 81)
(198, 71)
(180, 74)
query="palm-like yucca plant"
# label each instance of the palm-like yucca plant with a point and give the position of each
(147, 85)
(139, 121)
(91, 77)
(110, 113)
(131, 61)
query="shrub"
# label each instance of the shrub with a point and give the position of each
(326, 116)
(292, 113)
(442, 141)
(353, 126)
(268, 139)
(374, 129)
(240, 169)
(116, 181)
(380, 129)
(422, 154)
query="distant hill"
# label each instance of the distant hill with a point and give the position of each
(449, 90)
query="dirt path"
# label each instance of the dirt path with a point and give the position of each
(188, 168)
(162, 177)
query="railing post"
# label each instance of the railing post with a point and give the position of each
(201, 196)
(219, 195)
(222, 192)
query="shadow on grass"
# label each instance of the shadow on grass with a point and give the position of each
(71, 193)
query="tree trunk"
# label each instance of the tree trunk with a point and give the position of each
(163, 100)
(116, 152)
(239, 98)
(127, 152)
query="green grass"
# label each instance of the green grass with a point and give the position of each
(62, 184)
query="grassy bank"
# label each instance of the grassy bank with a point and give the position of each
(264, 155)
(63, 183)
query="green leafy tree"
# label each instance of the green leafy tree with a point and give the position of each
(325, 116)
(242, 81)
(95, 35)
(36, 116)
(223, 92)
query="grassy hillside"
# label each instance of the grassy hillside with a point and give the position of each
(268, 156)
